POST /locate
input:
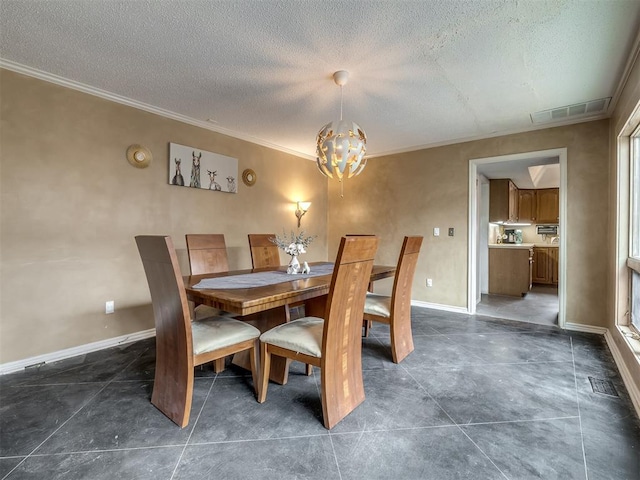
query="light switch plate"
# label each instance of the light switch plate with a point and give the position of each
(436, 232)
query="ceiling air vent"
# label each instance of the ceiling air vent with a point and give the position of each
(594, 107)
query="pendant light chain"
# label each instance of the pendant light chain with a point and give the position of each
(341, 99)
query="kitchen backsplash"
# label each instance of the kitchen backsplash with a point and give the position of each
(529, 234)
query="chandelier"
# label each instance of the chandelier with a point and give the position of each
(341, 144)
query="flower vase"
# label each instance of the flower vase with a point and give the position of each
(294, 265)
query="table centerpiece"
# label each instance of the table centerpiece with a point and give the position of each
(294, 245)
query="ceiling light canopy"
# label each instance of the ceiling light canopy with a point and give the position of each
(341, 144)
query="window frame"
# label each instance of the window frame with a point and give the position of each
(633, 257)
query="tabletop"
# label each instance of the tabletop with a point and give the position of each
(245, 301)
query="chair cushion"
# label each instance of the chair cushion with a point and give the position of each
(377, 305)
(204, 311)
(303, 335)
(214, 333)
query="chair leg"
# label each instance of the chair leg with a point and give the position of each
(173, 391)
(401, 338)
(218, 365)
(255, 375)
(367, 326)
(342, 394)
(265, 366)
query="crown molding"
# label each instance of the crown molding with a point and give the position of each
(81, 87)
(455, 141)
(624, 78)
(58, 80)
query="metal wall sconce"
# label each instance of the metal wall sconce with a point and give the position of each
(301, 209)
(139, 156)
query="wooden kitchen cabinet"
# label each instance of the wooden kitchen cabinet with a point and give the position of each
(553, 259)
(503, 201)
(510, 270)
(545, 265)
(527, 206)
(548, 205)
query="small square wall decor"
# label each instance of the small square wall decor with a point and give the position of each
(195, 168)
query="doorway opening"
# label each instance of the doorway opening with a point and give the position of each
(544, 303)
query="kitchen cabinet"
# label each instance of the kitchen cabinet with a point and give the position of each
(527, 206)
(538, 206)
(510, 270)
(503, 201)
(545, 265)
(548, 205)
(553, 260)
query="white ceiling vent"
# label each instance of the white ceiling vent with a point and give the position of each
(593, 107)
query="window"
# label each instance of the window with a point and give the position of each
(633, 261)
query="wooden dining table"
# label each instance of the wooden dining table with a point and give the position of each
(267, 306)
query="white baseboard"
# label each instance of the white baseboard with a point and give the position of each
(72, 352)
(438, 306)
(627, 378)
(578, 327)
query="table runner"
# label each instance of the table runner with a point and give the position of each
(261, 279)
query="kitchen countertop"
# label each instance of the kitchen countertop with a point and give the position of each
(511, 245)
(523, 245)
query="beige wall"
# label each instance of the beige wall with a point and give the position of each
(411, 193)
(71, 205)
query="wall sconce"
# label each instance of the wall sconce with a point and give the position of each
(139, 156)
(301, 209)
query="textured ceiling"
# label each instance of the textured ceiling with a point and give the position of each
(423, 73)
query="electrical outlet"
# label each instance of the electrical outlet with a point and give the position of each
(429, 282)
(451, 231)
(109, 306)
(436, 232)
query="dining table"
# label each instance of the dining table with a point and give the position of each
(263, 296)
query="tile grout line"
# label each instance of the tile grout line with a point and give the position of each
(195, 424)
(454, 422)
(73, 414)
(333, 448)
(575, 380)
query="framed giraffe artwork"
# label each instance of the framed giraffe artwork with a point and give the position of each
(196, 168)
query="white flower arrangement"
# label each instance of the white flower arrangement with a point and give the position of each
(293, 245)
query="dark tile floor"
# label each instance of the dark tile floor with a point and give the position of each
(540, 305)
(479, 398)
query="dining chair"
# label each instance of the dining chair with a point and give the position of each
(264, 253)
(207, 254)
(180, 343)
(330, 338)
(395, 310)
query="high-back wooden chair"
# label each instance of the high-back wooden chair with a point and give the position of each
(395, 310)
(331, 337)
(207, 253)
(264, 253)
(180, 343)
